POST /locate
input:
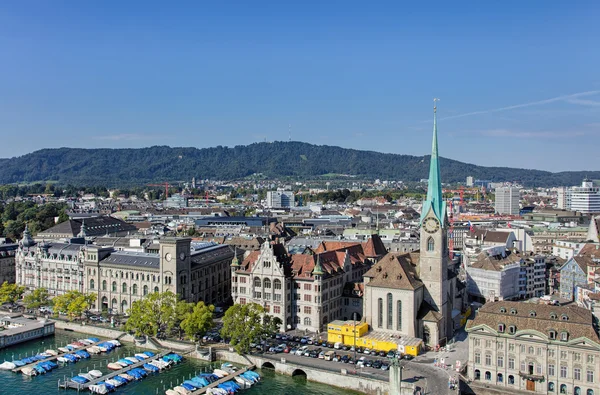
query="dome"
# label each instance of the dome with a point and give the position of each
(27, 240)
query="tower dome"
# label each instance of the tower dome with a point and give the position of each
(27, 240)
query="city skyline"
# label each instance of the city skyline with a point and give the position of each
(516, 84)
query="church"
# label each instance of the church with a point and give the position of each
(418, 294)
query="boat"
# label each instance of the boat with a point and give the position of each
(143, 356)
(82, 354)
(93, 350)
(40, 369)
(171, 392)
(132, 359)
(79, 379)
(181, 390)
(93, 339)
(19, 363)
(114, 382)
(7, 365)
(98, 389)
(63, 360)
(109, 386)
(52, 352)
(127, 377)
(219, 375)
(86, 376)
(95, 373)
(189, 383)
(243, 382)
(220, 372)
(115, 342)
(85, 342)
(63, 349)
(71, 357)
(120, 379)
(150, 368)
(29, 371)
(149, 353)
(228, 367)
(114, 366)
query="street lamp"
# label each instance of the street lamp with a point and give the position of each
(354, 319)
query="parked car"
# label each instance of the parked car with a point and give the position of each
(336, 358)
(367, 351)
(361, 362)
(301, 350)
(391, 354)
(322, 355)
(381, 353)
(303, 340)
(345, 347)
(345, 358)
(293, 351)
(385, 366)
(368, 363)
(337, 345)
(329, 345)
(306, 353)
(377, 364)
(360, 350)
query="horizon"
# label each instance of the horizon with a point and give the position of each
(517, 84)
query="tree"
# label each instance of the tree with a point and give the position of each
(37, 298)
(199, 321)
(11, 292)
(247, 323)
(73, 303)
(155, 312)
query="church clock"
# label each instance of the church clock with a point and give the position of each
(431, 225)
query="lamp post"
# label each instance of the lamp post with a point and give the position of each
(354, 319)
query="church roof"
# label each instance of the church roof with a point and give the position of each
(395, 270)
(434, 200)
(428, 313)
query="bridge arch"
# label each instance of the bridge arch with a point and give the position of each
(268, 365)
(299, 373)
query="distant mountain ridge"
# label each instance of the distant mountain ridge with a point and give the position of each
(120, 167)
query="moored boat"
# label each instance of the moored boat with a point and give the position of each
(7, 365)
(114, 366)
(95, 373)
(29, 371)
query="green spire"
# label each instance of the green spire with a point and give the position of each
(434, 199)
(318, 270)
(235, 262)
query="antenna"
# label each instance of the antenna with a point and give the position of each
(435, 100)
(290, 131)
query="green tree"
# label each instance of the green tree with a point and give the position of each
(11, 292)
(155, 312)
(247, 323)
(73, 303)
(37, 298)
(199, 321)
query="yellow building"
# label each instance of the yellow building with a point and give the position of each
(344, 332)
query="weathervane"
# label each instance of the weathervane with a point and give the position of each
(435, 99)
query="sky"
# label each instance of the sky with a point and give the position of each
(518, 81)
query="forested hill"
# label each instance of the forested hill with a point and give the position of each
(119, 167)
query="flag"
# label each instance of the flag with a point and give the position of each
(471, 227)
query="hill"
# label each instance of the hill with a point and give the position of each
(119, 167)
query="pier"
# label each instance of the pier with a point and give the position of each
(71, 384)
(224, 379)
(18, 369)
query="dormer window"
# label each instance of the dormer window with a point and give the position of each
(564, 336)
(501, 328)
(502, 310)
(512, 329)
(564, 317)
(513, 311)
(532, 313)
(552, 335)
(553, 316)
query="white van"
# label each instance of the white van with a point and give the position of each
(337, 345)
(329, 355)
(301, 350)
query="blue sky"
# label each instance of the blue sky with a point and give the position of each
(518, 81)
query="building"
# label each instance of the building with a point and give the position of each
(470, 181)
(7, 263)
(534, 347)
(507, 200)
(280, 199)
(584, 199)
(579, 270)
(561, 199)
(18, 329)
(94, 226)
(194, 274)
(478, 239)
(566, 249)
(414, 294)
(593, 234)
(306, 291)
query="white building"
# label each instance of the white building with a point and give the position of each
(470, 181)
(280, 199)
(566, 249)
(507, 200)
(584, 199)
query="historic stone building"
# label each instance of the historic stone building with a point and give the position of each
(534, 347)
(417, 294)
(7, 263)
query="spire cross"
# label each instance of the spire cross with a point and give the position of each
(435, 99)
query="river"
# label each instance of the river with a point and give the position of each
(16, 383)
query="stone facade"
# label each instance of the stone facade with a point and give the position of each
(7, 263)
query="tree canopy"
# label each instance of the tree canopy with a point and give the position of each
(10, 293)
(197, 322)
(153, 313)
(247, 323)
(73, 303)
(37, 298)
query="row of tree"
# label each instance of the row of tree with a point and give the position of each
(14, 216)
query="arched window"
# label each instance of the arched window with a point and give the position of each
(114, 303)
(267, 283)
(500, 378)
(145, 290)
(114, 286)
(390, 309)
(399, 313)
(92, 284)
(551, 386)
(134, 289)
(511, 379)
(155, 289)
(563, 388)
(430, 244)
(277, 284)
(124, 288)
(380, 312)
(477, 374)
(307, 321)
(257, 282)
(590, 392)
(577, 391)
(104, 285)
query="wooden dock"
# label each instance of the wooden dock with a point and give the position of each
(18, 369)
(71, 384)
(224, 379)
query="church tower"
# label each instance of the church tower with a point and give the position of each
(433, 261)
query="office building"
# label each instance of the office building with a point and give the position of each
(584, 199)
(280, 199)
(470, 181)
(507, 200)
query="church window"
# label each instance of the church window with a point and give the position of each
(430, 244)
(399, 312)
(380, 312)
(390, 313)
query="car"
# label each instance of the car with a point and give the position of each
(391, 354)
(368, 363)
(345, 347)
(284, 337)
(293, 350)
(350, 360)
(337, 345)
(303, 340)
(306, 353)
(377, 364)
(352, 349)
(336, 358)
(286, 350)
(329, 345)
(277, 336)
(382, 353)
(345, 358)
(322, 355)
(361, 362)
(310, 341)
(408, 357)
(367, 351)
(385, 366)
(314, 354)
(301, 350)
(360, 350)
(318, 350)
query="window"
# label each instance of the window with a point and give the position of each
(590, 358)
(511, 379)
(590, 392)
(243, 279)
(92, 284)
(532, 313)
(390, 308)
(277, 284)
(257, 282)
(577, 374)
(550, 370)
(276, 309)
(146, 290)
(242, 300)
(563, 355)
(488, 376)
(552, 335)
(538, 369)
(267, 308)
(430, 244)
(114, 286)
(267, 283)
(477, 358)
(563, 388)
(380, 312)
(577, 391)
(488, 343)
(511, 347)
(307, 321)
(477, 342)
(155, 289)
(277, 297)
(257, 295)
(512, 329)
(488, 359)
(564, 336)
(551, 386)
(307, 310)
(477, 374)
(399, 313)
(500, 361)
(267, 264)
(135, 289)
(307, 298)
(590, 376)
(243, 290)
(563, 372)
(530, 350)
(124, 288)
(576, 357)
(501, 328)
(307, 287)
(500, 378)
(511, 363)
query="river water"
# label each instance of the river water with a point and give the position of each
(18, 384)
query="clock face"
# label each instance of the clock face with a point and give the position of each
(431, 225)
(168, 257)
(182, 256)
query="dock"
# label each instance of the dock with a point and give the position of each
(18, 369)
(224, 379)
(71, 384)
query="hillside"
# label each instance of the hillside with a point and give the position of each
(118, 167)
